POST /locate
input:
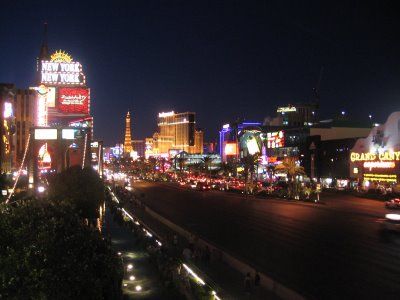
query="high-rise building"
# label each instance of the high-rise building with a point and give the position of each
(25, 107)
(128, 138)
(139, 147)
(180, 128)
(7, 127)
(198, 142)
(304, 114)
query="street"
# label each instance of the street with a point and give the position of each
(324, 251)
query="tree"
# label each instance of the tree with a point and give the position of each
(249, 162)
(48, 253)
(292, 170)
(82, 188)
(229, 168)
(181, 160)
(207, 161)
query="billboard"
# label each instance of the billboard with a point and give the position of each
(45, 134)
(230, 149)
(252, 146)
(275, 139)
(73, 100)
(70, 134)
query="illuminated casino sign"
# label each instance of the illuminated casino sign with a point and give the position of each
(275, 139)
(370, 156)
(286, 109)
(61, 70)
(73, 100)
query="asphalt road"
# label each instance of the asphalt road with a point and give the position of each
(324, 251)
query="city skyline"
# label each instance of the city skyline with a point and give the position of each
(222, 61)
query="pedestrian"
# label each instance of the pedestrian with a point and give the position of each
(257, 281)
(191, 242)
(247, 285)
(187, 254)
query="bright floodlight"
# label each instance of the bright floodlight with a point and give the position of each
(138, 288)
(343, 113)
(129, 267)
(132, 278)
(119, 253)
(41, 189)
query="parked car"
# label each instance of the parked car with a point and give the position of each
(393, 203)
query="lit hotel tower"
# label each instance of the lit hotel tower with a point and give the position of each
(128, 137)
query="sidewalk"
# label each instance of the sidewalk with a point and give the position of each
(228, 282)
(144, 274)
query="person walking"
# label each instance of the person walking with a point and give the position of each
(247, 285)
(257, 283)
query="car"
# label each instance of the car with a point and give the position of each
(391, 222)
(202, 186)
(393, 203)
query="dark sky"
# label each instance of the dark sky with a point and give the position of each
(221, 59)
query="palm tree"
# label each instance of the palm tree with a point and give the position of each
(207, 161)
(249, 162)
(229, 168)
(181, 160)
(292, 170)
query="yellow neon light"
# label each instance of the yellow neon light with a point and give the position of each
(60, 56)
(381, 177)
(369, 156)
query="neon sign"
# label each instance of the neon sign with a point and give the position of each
(166, 114)
(286, 109)
(369, 156)
(42, 106)
(61, 70)
(381, 177)
(60, 56)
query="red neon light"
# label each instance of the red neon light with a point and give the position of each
(73, 100)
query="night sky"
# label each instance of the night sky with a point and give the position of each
(221, 59)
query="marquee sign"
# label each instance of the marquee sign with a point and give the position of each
(61, 70)
(370, 156)
(73, 100)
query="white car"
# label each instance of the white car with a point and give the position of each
(392, 222)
